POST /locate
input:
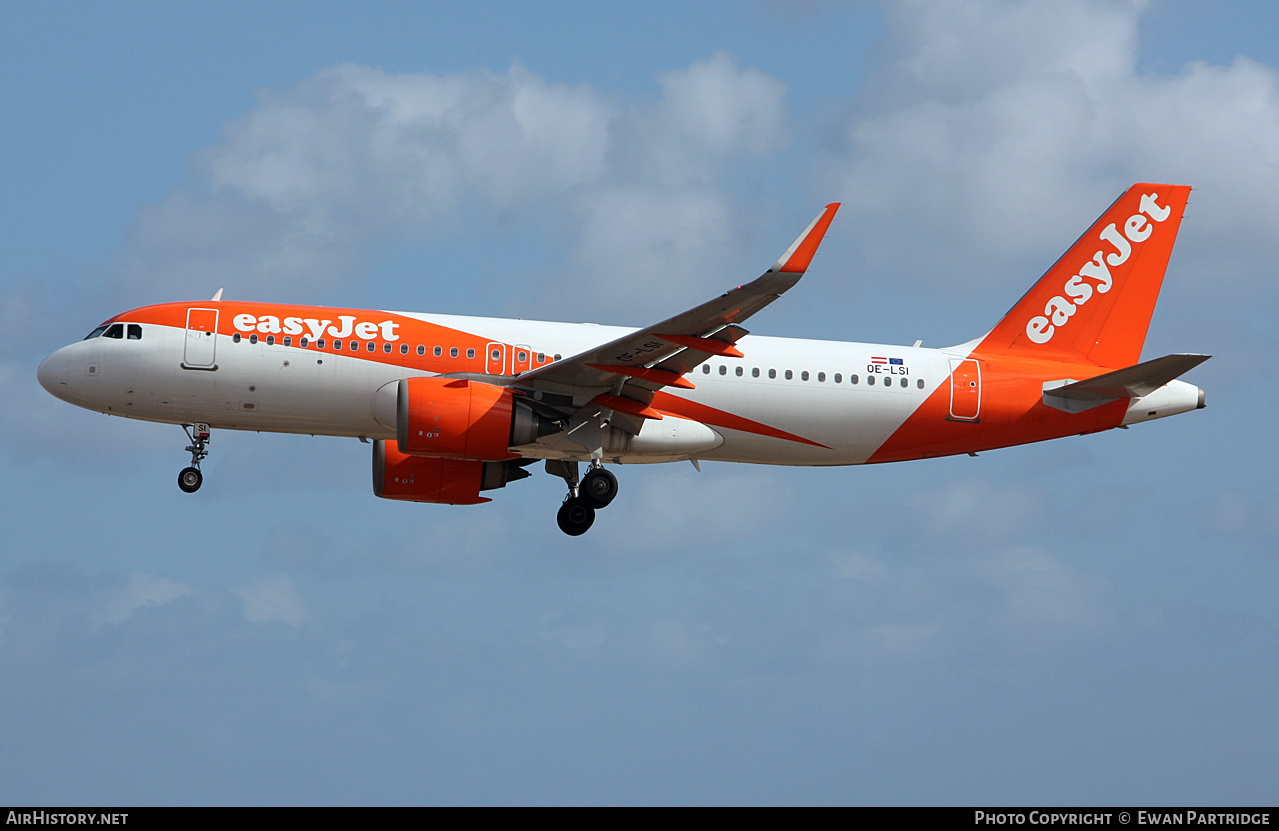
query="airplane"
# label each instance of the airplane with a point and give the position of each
(457, 406)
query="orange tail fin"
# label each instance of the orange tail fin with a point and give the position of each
(1094, 304)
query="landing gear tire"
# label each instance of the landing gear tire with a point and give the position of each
(575, 516)
(598, 488)
(190, 479)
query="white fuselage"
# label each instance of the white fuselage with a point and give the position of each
(787, 384)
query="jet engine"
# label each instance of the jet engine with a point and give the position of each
(411, 478)
(451, 418)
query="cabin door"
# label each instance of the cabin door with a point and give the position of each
(200, 350)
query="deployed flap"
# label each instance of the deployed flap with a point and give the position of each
(1130, 382)
(678, 344)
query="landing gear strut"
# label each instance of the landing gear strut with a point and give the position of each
(595, 491)
(190, 479)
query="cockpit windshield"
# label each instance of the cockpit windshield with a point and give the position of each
(117, 331)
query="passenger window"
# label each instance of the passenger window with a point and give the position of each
(723, 370)
(270, 340)
(739, 372)
(541, 356)
(135, 332)
(772, 373)
(288, 340)
(253, 338)
(557, 356)
(470, 353)
(522, 357)
(852, 379)
(453, 352)
(116, 331)
(404, 349)
(235, 338)
(803, 376)
(838, 378)
(870, 380)
(821, 376)
(496, 355)
(303, 341)
(421, 349)
(920, 383)
(755, 372)
(706, 369)
(789, 375)
(438, 351)
(319, 344)
(904, 382)
(337, 344)
(386, 347)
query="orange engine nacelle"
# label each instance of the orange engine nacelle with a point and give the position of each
(452, 418)
(409, 478)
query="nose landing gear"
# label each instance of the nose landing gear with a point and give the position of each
(596, 490)
(190, 479)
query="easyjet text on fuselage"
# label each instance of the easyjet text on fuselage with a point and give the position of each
(315, 328)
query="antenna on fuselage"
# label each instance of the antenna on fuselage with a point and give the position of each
(217, 296)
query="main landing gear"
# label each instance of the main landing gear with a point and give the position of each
(598, 486)
(596, 490)
(190, 479)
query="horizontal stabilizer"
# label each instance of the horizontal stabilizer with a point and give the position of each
(1130, 382)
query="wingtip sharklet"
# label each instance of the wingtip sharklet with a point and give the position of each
(800, 254)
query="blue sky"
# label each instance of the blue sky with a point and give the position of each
(1084, 621)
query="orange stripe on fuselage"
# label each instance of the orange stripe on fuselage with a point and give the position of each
(673, 405)
(1012, 412)
(270, 319)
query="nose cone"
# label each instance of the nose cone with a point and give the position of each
(53, 373)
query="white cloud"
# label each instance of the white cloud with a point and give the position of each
(314, 178)
(693, 508)
(851, 565)
(707, 115)
(650, 241)
(274, 597)
(674, 643)
(1042, 595)
(461, 539)
(983, 510)
(141, 590)
(355, 140)
(881, 641)
(583, 638)
(1006, 126)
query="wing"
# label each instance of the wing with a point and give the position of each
(621, 376)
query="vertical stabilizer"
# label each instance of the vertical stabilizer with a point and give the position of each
(1094, 304)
